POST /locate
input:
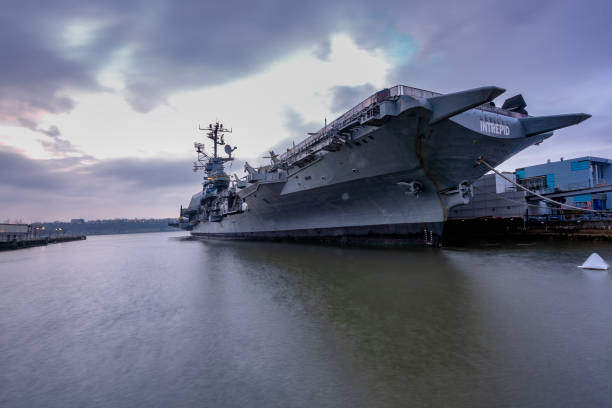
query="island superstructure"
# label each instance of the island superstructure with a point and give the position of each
(386, 171)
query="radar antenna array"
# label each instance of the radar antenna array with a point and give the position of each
(200, 162)
(216, 133)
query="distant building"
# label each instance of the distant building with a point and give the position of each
(10, 232)
(77, 221)
(582, 182)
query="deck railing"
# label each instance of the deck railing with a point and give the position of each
(354, 113)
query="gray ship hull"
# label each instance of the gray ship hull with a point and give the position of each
(375, 235)
(393, 181)
(372, 210)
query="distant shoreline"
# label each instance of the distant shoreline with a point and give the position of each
(104, 227)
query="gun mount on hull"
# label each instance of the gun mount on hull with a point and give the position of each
(387, 171)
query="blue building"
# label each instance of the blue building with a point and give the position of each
(584, 182)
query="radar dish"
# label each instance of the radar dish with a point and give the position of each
(228, 149)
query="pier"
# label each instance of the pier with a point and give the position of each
(38, 241)
(567, 199)
(17, 236)
(517, 228)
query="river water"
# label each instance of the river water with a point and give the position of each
(150, 320)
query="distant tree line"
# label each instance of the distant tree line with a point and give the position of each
(103, 227)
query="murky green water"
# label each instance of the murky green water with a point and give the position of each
(152, 321)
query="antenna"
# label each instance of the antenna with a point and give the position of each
(229, 149)
(202, 157)
(215, 133)
(273, 157)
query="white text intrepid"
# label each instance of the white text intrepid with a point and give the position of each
(494, 128)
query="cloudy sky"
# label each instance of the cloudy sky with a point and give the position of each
(100, 101)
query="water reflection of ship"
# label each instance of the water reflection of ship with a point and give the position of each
(407, 318)
(387, 171)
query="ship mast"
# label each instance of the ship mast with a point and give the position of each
(216, 133)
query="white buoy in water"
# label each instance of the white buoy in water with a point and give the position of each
(594, 262)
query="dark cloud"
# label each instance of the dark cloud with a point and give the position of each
(20, 172)
(173, 46)
(345, 97)
(77, 187)
(53, 131)
(55, 144)
(143, 173)
(143, 97)
(34, 71)
(58, 146)
(527, 46)
(169, 46)
(296, 127)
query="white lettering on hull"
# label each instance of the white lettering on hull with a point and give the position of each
(493, 128)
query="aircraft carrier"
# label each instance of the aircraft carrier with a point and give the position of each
(385, 172)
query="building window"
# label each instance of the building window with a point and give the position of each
(580, 165)
(537, 183)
